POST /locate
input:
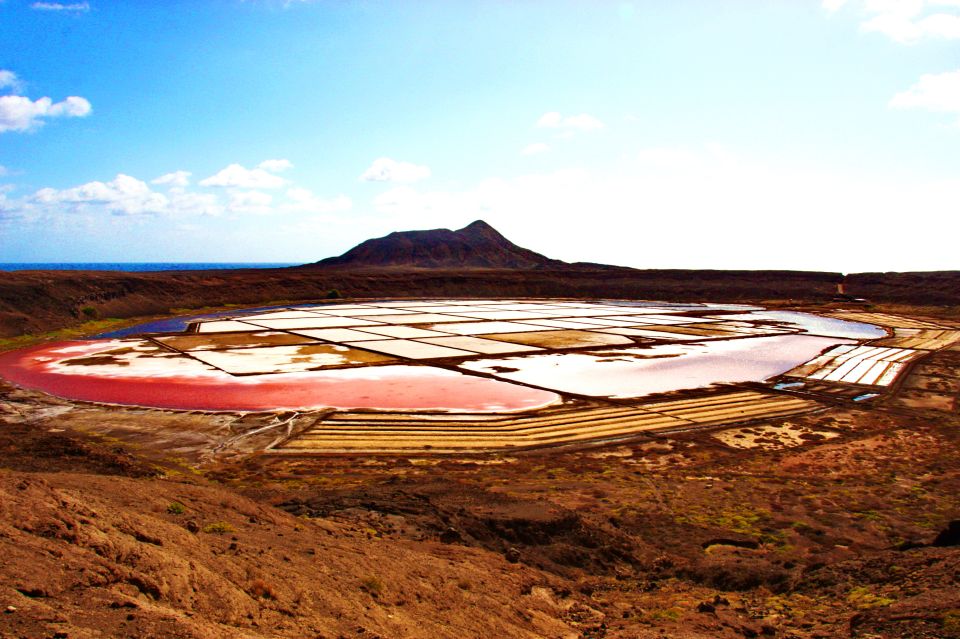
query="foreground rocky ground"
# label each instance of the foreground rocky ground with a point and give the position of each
(138, 523)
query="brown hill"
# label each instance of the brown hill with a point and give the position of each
(477, 245)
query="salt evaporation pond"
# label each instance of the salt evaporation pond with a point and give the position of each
(183, 385)
(635, 372)
(815, 324)
(444, 355)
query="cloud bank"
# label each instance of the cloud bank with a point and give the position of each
(234, 190)
(905, 21)
(20, 113)
(938, 92)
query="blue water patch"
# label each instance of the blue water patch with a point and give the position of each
(137, 267)
(865, 397)
(179, 324)
(785, 385)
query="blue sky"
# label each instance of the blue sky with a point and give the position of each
(685, 134)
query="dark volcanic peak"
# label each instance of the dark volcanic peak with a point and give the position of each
(477, 245)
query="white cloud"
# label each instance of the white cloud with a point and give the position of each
(582, 122)
(535, 148)
(177, 179)
(9, 80)
(275, 166)
(175, 199)
(185, 203)
(938, 92)
(18, 113)
(124, 195)
(300, 194)
(4, 170)
(907, 21)
(237, 176)
(57, 6)
(387, 170)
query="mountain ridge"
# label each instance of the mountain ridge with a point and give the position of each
(477, 245)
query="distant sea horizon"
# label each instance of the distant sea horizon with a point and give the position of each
(137, 267)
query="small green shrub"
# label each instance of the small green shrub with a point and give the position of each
(862, 598)
(218, 528)
(372, 585)
(176, 508)
(89, 312)
(333, 294)
(951, 621)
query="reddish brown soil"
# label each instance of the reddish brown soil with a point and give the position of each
(144, 523)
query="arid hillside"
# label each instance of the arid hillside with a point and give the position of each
(125, 522)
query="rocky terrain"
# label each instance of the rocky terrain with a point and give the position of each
(145, 523)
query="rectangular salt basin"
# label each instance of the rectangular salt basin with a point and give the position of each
(628, 310)
(456, 310)
(225, 326)
(478, 328)
(413, 350)
(369, 311)
(563, 323)
(586, 312)
(662, 319)
(283, 315)
(418, 318)
(874, 373)
(505, 315)
(531, 307)
(890, 374)
(479, 345)
(326, 308)
(600, 308)
(219, 341)
(639, 332)
(403, 332)
(685, 333)
(635, 372)
(400, 304)
(337, 334)
(318, 322)
(287, 359)
(562, 339)
(609, 321)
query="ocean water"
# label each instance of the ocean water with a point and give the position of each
(136, 267)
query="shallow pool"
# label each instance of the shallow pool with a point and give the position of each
(635, 372)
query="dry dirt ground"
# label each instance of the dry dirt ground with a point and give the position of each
(145, 523)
